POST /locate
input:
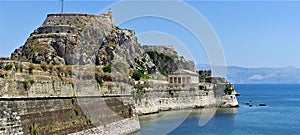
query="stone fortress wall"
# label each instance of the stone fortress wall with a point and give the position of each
(64, 115)
(56, 29)
(168, 49)
(77, 19)
(41, 103)
(68, 23)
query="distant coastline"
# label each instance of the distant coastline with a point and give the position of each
(242, 75)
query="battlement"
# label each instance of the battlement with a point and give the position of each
(168, 49)
(80, 15)
(73, 14)
(4, 58)
(56, 29)
(78, 19)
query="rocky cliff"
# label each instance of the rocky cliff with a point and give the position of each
(71, 39)
(167, 63)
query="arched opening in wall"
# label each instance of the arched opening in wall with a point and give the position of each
(46, 32)
(68, 31)
(57, 31)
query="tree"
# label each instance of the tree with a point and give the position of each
(8, 67)
(107, 69)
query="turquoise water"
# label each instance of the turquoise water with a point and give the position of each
(281, 115)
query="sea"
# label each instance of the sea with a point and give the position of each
(280, 116)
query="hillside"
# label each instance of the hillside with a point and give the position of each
(241, 75)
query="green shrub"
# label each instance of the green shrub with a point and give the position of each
(164, 73)
(228, 91)
(73, 100)
(107, 69)
(137, 75)
(99, 79)
(76, 111)
(33, 129)
(1, 75)
(26, 85)
(8, 67)
(31, 81)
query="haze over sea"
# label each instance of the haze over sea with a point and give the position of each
(280, 116)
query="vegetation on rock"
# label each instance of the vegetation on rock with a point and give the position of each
(26, 85)
(1, 75)
(228, 91)
(8, 67)
(138, 74)
(107, 68)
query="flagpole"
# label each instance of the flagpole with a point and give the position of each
(62, 6)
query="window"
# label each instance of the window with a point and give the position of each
(171, 79)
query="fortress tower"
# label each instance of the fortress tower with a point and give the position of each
(110, 14)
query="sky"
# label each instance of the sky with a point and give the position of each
(252, 34)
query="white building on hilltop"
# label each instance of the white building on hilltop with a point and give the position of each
(182, 76)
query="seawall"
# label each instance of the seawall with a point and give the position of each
(154, 101)
(59, 101)
(64, 115)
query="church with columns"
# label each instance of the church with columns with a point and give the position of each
(182, 76)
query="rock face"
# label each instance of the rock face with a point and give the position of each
(66, 39)
(94, 39)
(121, 46)
(83, 39)
(168, 63)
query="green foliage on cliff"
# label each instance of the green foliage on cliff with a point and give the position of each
(228, 91)
(164, 62)
(73, 100)
(31, 81)
(33, 129)
(138, 74)
(26, 85)
(107, 68)
(164, 73)
(76, 111)
(1, 75)
(99, 79)
(8, 67)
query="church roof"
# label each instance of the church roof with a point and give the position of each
(184, 71)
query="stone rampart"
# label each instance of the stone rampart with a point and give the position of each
(56, 29)
(64, 115)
